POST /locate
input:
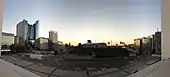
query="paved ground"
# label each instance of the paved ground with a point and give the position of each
(10, 70)
(159, 69)
(51, 67)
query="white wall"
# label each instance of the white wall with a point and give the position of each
(165, 23)
(1, 11)
(7, 40)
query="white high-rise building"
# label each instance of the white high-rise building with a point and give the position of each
(22, 29)
(53, 36)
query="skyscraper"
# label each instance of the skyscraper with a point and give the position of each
(33, 31)
(36, 29)
(27, 31)
(53, 36)
(22, 29)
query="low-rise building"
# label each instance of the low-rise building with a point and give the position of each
(58, 46)
(143, 45)
(157, 42)
(7, 40)
(42, 43)
(94, 45)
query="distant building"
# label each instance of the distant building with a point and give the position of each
(22, 29)
(42, 43)
(153, 43)
(33, 31)
(58, 46)
(157, 42)
(138, 44)
(53, 36)
(7, 40)
(147, 44)
(53, 39)
(27, 31)
(143, 45)
(94, 45)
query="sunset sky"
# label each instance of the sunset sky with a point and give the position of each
(80, 20)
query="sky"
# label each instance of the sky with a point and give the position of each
(81, 20)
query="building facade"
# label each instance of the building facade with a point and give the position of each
(143, 45)
(22, 29)
(157, 42)
(58, 46)
(53, 36)
(138, 44)
(18, 41)
(53, 40)
(147, 44)
(26, 31)
(33, 31)
(7, 40)
(42, 43)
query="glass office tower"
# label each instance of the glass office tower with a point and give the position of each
(28, 32)
(33, 31)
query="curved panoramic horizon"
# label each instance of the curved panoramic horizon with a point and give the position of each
(77, 21)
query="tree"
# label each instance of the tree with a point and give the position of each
(66, 45)
(79, 44)
(69, 44)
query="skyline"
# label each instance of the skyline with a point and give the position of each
(78, 21)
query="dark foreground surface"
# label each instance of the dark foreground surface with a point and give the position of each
(53, 66)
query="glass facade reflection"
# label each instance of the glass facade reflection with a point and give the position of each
(32, 33)
(29, 32)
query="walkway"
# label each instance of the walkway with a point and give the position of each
(10, 70)
(159, 69)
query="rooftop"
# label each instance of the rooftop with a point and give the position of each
(7, 34)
